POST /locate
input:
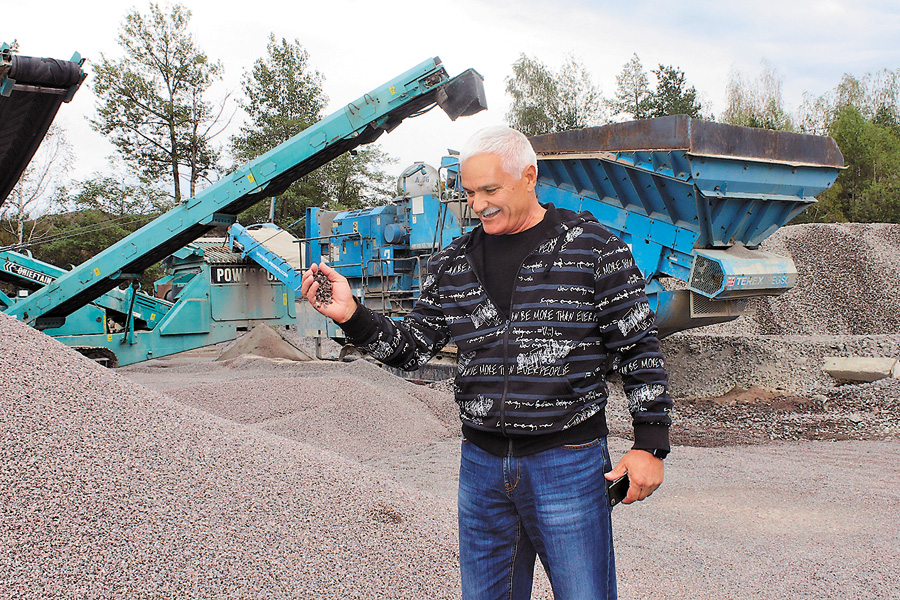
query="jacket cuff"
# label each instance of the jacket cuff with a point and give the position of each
(361, 326)
(652, 438)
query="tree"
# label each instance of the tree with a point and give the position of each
(151, 102)
(114, 197)
(633, 94)
(74, 237)
(863, 117)
(284, 96)
(868, 190)
(757, 103)
(672, 96)
(544, 101)
(38, 188)
(876, 96)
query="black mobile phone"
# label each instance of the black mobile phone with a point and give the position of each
(617, 489)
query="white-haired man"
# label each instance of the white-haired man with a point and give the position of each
(541, 302)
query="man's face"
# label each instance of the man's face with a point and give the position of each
(505, 204)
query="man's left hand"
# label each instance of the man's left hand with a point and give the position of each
(645, 474)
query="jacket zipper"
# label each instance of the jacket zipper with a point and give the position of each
(506, 328)
(507, 324)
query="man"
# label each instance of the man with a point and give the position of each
(541, 302)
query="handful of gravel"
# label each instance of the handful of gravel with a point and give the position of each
(323, 294)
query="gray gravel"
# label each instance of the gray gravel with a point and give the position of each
(798, 521)
(383, 414)
(846, 286)
(323, 293)
(111, 490)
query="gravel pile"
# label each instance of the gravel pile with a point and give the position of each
(758, 416)
(109, 489)
(845, 304)
(353, 411)
(263, 341)
(708, 365)
(847, 283)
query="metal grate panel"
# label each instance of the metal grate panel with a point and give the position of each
(707, 276)
(702, 306)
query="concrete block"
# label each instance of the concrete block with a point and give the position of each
(862, 369)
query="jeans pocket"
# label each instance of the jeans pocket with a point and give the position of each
(583, 445)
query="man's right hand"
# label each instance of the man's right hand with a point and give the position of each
(342, 305)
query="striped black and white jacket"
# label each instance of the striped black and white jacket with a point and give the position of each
(578, 310)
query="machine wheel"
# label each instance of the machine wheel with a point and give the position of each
(104, 356)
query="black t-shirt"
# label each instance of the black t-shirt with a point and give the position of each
(498, 259)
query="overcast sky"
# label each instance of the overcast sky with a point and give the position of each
(358, 45)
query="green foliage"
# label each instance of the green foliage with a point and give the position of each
(151, 103)
(78, 236)
(863, 117)
(876, 96)
(633, 95)
(868, 190)
(113, 197)
(672, 96)
(544, 101)
(283, 97)
(348, 182)
(105, 211)
(71, 238)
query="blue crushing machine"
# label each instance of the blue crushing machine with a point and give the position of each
(693, 199)
(209, 295)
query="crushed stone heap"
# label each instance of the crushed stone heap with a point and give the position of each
(111, 490)
(844, 304)
(848, 274)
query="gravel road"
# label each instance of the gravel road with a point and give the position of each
(799, 521)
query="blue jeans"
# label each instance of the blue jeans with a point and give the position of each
(552, 504)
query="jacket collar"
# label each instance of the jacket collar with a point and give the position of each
(557, 220)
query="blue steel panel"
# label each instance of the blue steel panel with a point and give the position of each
(649, 189)
(733, 177)
(146, 308)
(656, 238)
(722, 199)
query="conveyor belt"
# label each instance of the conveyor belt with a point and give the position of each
(31, 92)
(276, 250)
(360, 122)
(280, 243)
